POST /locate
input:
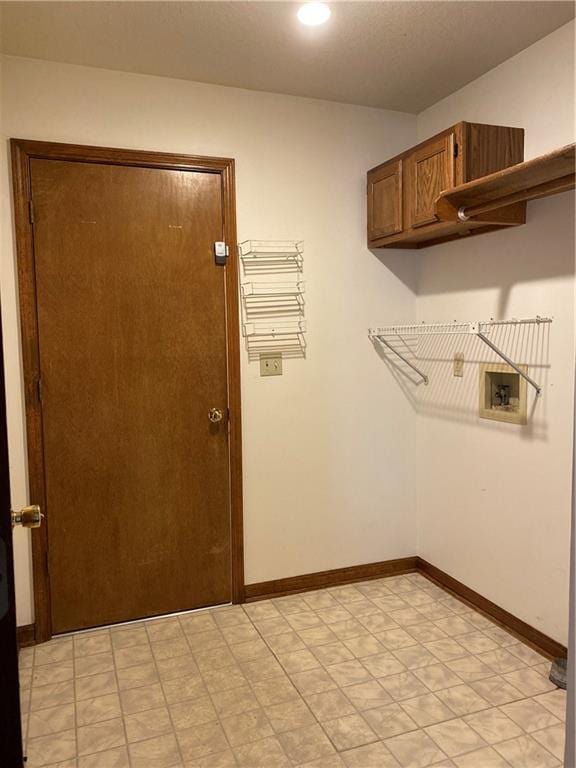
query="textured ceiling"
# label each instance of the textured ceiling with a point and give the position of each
(395, 55)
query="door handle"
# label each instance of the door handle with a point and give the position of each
(27, 517)
(215, 415)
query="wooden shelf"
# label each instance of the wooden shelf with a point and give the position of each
(484, 199)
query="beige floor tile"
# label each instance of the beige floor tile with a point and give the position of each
(215, 658)
(202, 740)
(101, 736)
(496, 690)
(274, 691)
(501, 661)
(92, 642)
(44, 722)
(229, 615)
(263, 610)
(403, 686)
(224, 759)
(164, 629)
(530, 715)
(329, 761)
(377, 622)
(98, 709)
(477, 642)
(455, 626)
(390, 720)
(235, 701)
(365, 646)
(414, 750)
(202, 641)
(500, 636)
(261, 669)
(446, 649)
(348, 628)
(493, 725)
(25, 677)
(240, 633)
(188, 714)
(271, 627)
(555, 702)
(455, 737)
(427, 710)
(321, 635)
(110, 758)
(262, 754)
(251, 650)
(313, 681)
(481, 758)
(48, 674)
(141, 699)
(370, 756)
(318, 600)
(298, 661)
(50, 695)
(247, 727)
(288, 605)
(159, 752)
(95, 664)
(331, 616)
(528, 655)
(225, 679)
(383, 664)
(198, 622)
(470, 668)
(331, 704)
(55, 748)
(462, 699)
(128, 638)
(96, 685)
(349, 731)
(170, 649)
(435, 611)
(148, 724)
(287, 642)
(349, 673)
(182, 689)
(346, 594)
(332, 653)
(524, 752)
(176, 666)
(426, 632)
(408, 616)
(135, 677)
(415, 657)
(367, 695)
(305, 620)
(360, 608)
(53, 652)
(289, 715)
(552, 739)
(306, 744)
(529, 682)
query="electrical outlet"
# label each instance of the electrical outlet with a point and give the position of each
(270, 366)
(459, 364)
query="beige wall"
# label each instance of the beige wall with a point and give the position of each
(494, 499)
(329, 447)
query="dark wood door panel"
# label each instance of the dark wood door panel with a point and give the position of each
(132, 345)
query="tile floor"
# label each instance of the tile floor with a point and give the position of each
(394, 673)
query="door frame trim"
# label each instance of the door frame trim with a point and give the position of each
(22, 152)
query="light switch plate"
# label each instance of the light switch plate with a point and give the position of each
(270, 366)
(459, 364)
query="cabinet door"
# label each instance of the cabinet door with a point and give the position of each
(385, 201)
(432, 171)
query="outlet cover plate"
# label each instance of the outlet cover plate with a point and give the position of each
(270, 365)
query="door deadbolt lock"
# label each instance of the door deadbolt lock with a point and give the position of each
(215, 415)
(28, 517)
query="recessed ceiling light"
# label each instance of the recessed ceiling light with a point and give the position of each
(313, 14)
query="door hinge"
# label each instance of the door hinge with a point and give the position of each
(221, 253)
(455, 150)
(31, 211)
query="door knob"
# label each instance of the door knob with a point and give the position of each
(215, 415)
(27, 517)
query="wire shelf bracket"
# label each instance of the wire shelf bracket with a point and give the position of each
(479, 328)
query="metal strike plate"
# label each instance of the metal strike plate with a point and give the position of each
(220, 253)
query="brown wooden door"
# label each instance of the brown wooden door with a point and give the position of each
(10, 724)
(132, 352)
(385, 200)
(431, 171)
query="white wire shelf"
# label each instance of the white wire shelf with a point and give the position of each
(478, 328)
(274, 329)
(273, 289)
(271, 250)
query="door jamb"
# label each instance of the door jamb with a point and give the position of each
(23, 151)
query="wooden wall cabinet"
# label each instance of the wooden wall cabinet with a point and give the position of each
(402, 192)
